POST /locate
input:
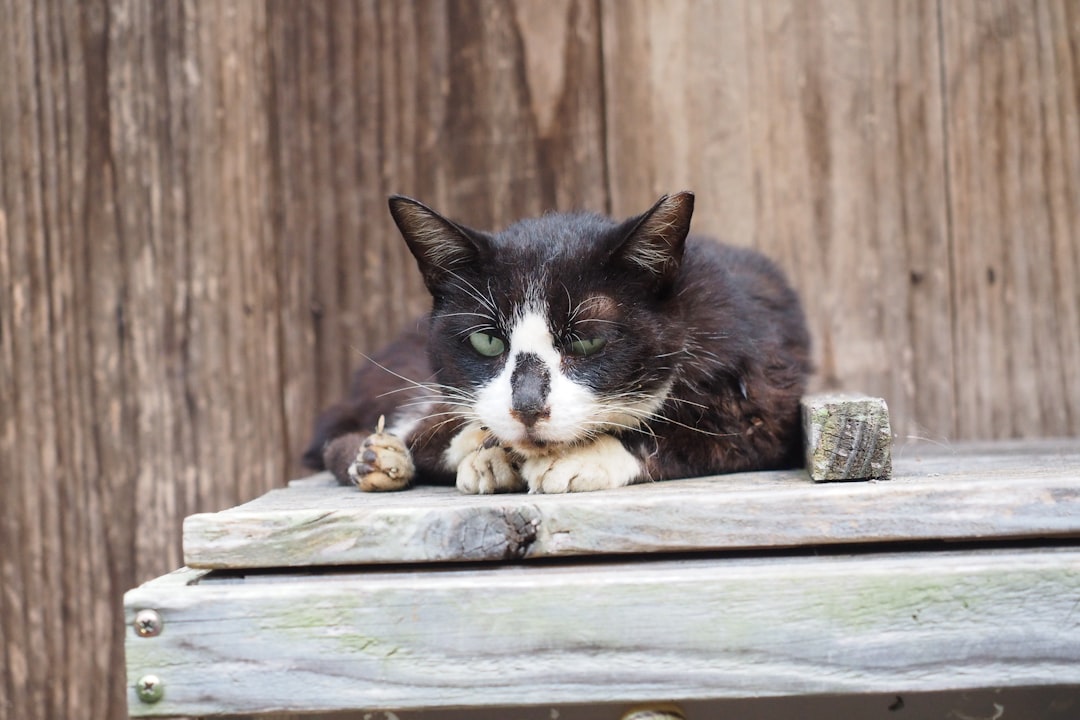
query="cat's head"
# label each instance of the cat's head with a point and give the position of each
(557, 328)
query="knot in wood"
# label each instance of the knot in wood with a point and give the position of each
(488, 533)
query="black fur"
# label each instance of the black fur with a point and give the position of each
(720, 325)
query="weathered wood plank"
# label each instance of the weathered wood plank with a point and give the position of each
(136, 318)
(847, 437)
(194, 245)
(1011, 72)
(671, 630)
(485, 110)
(812, 131)
(975, 493)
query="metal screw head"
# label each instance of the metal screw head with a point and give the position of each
(147, 623)
(667, 712)
(149, 689)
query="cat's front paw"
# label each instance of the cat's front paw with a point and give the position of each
(601, 465)
(383, 463)
(489, 470)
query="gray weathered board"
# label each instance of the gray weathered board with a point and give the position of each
(574, 632)
(973, 491)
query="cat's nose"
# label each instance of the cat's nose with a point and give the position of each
(529, 416)
(530, 385)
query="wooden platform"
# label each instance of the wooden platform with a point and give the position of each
(702, 591)
(973, 491)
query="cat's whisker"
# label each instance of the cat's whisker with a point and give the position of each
(469, 289)
(570, 304)
(697, 430)
(465, 406)
(429, 432)
(465, 314)
(684, 401)
(437, 392)
(643, 415)
(432, 394)
(480, 327)
(643, 428)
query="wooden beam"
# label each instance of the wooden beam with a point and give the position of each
(1000, 490)
(676, 630)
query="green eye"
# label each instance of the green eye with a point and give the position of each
(487, 345)
(590, 346)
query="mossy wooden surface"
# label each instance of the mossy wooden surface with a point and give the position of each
(964, 492)
(601, 632)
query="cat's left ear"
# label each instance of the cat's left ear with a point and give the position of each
(654, 241)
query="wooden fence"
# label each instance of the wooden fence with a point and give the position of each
(194, 245)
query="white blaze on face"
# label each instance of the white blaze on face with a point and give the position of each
(571, 406)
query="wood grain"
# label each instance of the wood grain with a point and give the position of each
(847, 437)
(576, 633)
(483, 110)
(1012, 71)
(963, 493)
(810, 130)
(194, 248)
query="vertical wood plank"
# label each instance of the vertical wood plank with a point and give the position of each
(138, 325)
(811, 130)
(1012, 74)
(488, 111)
(51, 499)
(195, 245)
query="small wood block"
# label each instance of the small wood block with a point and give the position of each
(848, 437)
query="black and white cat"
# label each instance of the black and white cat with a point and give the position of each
(573, 352)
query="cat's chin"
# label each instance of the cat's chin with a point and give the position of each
(532, 441)
(533, 447)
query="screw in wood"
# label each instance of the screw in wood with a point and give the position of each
(147, 623)
(149, 689)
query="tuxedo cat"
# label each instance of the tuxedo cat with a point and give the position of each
(572, 352)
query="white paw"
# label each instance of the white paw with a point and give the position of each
(468, 440)
(383, 463)
(602, 465)
(489, 470)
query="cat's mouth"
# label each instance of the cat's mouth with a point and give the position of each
(533, 443)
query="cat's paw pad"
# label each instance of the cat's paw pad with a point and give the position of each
(489, 470)
(383, 463)
(603, 465)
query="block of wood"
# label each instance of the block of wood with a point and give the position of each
(847, 437)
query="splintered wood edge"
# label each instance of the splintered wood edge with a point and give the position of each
(847, 437)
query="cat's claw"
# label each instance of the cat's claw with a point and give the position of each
(383, 464)
(603, 465)
(489, 470)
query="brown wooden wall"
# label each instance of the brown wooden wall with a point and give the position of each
(194, 246)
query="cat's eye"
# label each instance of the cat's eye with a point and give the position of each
(487, 345)
(589, 346)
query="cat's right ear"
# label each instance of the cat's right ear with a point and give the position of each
(440, 246)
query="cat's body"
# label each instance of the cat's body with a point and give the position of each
(572, 352)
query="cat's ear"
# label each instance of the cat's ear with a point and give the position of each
(439, 245)
(654, 240)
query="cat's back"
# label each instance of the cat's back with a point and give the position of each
(746, 293)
